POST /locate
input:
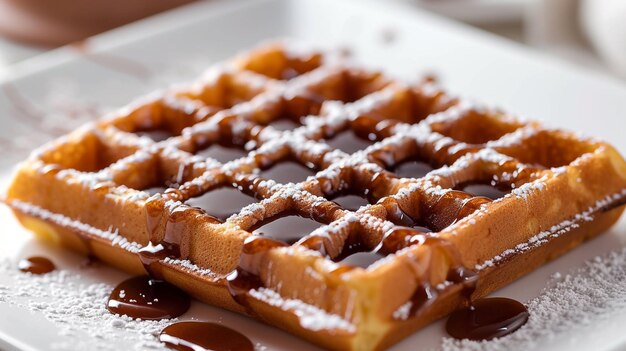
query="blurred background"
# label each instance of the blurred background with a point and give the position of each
(591, 33)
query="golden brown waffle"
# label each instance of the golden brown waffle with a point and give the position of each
(92, 191)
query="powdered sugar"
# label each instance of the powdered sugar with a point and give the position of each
(190, 267)
(587, 296)
(311, 317)
(63, 221)
(526, 189)
(554, 231)
(78, 309)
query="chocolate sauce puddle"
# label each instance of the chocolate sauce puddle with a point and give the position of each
(196, 336)
(147, 298)
(487, 319)
(36, 265)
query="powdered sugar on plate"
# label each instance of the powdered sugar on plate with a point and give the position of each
(78, 309)
(590, 295)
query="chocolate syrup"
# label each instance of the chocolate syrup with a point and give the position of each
(398, 238)
(412, 169)
(156, 135)
(484, 319)
(284, 124)
(348, 142)
(485, 190)
(287, 172)
(169, 245)
(36, 265)
(195, 336)
(288, 229)
(402, 219)
(246, 276)
(356, 254)
(351, 202)
(471, 205)
(147, 298)
(487, 318)
(221, 153)
(151, 254)
(361, 259)
(423, 296)
(221, 203)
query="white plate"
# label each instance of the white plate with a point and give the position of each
(479, 11)
(179, 43)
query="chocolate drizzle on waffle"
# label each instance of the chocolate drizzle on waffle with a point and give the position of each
(176, 217)
(410, 227)
(246, 276)
(391, 123)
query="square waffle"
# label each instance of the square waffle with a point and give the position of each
(394, 197)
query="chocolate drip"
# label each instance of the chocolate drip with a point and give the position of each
(356, 254)
(246, 276)
(36, 265)
(174, 226)
(151, 254)
(147, 298)
(400, 237)
(471, 205)
(187, 336)
(445, 210)
(423, 297)
(169, 246)
(484, 318)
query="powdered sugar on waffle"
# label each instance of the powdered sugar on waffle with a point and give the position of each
(526, 189)
(555, 231)
(190, 267)
(66, 222)
(310, 317)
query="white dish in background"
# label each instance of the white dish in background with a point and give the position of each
(479, 11)
(404, 42)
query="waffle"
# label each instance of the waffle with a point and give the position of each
(362, 277)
